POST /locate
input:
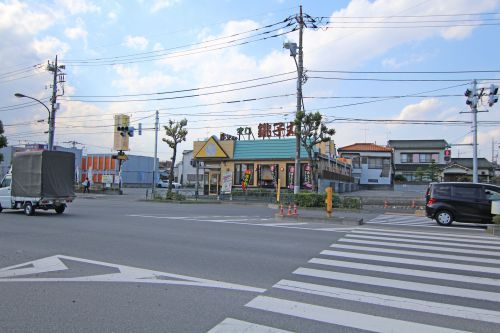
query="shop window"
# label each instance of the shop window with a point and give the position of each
(267, 175)
(239, 173)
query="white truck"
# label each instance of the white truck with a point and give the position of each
(39, 180)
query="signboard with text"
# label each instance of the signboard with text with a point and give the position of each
(276, 130)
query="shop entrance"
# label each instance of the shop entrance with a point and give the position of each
(213, 182)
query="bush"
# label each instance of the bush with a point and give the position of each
(174, 196)
(496, 219)
(308, 199)
(352, 202)
(399, 178)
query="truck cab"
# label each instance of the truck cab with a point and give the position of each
(5, 192)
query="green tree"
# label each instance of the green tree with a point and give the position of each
(419, 173)
(313, 131)
(3, 140)
(433, 171)
(176, 133)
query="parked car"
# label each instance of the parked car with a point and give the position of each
(164, 184)
(462, 202)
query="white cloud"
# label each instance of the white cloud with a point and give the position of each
(112, 16)
(48, 46)
(77, 32)
(132, 81)
(19, 18)
(136, 42)
(419, 111)
(395, 63)
(162, 4)
(79, 6)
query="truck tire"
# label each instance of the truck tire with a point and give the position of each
(1, 208)
(28, 209)
(60, 209)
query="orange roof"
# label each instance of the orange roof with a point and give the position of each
(365, 147)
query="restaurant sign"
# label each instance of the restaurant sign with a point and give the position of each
(276, 130)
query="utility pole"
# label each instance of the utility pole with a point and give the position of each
(157, 122)
(52, 115)
(474, 133)
(300, 69)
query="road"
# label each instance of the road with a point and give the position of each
(116, 264)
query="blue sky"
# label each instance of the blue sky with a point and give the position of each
(107, 48)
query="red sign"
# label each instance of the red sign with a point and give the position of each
(276, 130)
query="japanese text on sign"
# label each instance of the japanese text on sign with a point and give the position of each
(277, 130)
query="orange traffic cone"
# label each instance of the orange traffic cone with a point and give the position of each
(295, 212)
(290, 210)
(386, 204)
(413, 204)
(281, 210)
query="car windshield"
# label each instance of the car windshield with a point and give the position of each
(6, 182)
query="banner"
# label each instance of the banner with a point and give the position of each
(227, 182)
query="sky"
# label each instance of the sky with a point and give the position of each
(221, 65)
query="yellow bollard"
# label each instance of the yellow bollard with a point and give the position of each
(328, 201)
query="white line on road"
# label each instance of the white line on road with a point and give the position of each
(442, 243)
(230, 325)
(407, 271)
(341, 317)
(425, 247)
(455, 236)
(400, 284)
(461, 238)
(392, 301)
(407, 261)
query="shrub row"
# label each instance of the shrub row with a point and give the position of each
(307, 199)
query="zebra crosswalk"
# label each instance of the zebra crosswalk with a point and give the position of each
(417, 221)
(381, 280)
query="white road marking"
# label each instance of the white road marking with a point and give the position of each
(49, 264)
(461, 238)
(271, 225)
(392, 301)
(442, 243)
(407, 271)
(230, 325)
(280, 224)
(399, 232)
(400, 284)
(425, 247)
(407, 261)
(341, 317)
(433, 255)
(126, 274)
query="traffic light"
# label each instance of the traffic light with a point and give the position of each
(447, 155)
(470, 97)
(493, 98)
(122, 130)
(130, 131)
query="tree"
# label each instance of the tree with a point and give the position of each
(3, 140)
(419, 173)
(176, 133)
(433, 171)
(313, 131)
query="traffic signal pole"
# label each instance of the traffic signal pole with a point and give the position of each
(475, 177)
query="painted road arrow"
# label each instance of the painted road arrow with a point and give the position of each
(25, 273)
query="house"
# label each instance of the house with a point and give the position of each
(371, 164)
(186, 169)
(264, 164)
(460, 169)
(413, 157)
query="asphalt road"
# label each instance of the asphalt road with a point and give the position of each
(116, 264)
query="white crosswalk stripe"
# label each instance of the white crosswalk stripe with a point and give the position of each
(425, 282)
(412, 220)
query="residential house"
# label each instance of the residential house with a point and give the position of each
(413, 157)
(371, 164)
(460, 169)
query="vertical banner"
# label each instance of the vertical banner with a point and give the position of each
(227, 182)
(307, 176)
(291, 173)
(246, 179)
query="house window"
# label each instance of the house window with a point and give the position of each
(239, 173)
(364, 160)
(267, 175)
(375, 163)
(435, 158)
(405, 158)
(355, 162)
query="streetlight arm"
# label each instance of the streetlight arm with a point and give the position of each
(39, 101)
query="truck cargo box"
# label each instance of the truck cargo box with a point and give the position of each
(44, 174)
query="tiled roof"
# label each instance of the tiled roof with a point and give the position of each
(467, 162)
(365, 147)
(266, 149)
(417, 144)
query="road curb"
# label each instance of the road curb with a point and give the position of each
(333, 219)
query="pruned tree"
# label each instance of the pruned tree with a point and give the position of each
(420, 173)
(433, 171)
(3, 140)
(176, 133)
(313, 131)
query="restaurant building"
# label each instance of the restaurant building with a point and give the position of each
(264, 164)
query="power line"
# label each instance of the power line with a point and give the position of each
(410, 16)
(395, 80)
(405, 72)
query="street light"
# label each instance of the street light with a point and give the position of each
(51, 130)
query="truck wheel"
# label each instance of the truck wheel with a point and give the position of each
(60, 209)
(1, 208)
(28, 209)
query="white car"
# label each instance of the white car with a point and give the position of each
(164, 184)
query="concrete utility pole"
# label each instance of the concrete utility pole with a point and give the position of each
(300, 70)
(157, 123)
(474, 133)
(52, 117)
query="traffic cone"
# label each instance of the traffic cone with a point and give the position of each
(386, 204)
(281, 210)
(289, 210)
(295, 212)
(413, 204)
